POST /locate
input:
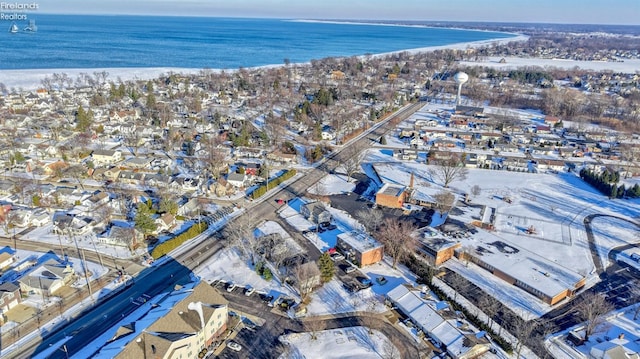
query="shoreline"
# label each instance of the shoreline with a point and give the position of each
(31, 79)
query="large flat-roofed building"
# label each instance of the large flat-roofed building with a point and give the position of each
(549, 281)
(360, 248)
(391, 195)
(183, 324)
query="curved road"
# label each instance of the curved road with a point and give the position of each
(592, 243)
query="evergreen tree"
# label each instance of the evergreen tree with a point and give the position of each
(83, 119)
(327, 267)
(151, 98)
(168, 206)
(143, 220)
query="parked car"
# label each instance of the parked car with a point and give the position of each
(364, 282)
(350, 288)
(337, 257)
(231, 287)
(234, 346)
(381, 280)
(331, 227)
(348, 267)
(249, 291)
(266, 298)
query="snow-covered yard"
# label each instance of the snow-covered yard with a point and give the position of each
(229, 266)
(353, 342)
(332, 184)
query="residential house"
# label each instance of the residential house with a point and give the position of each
(96, 200)
(238, 180)
(165, 222)
(618, 348)
(280, 157)
(315, 212)
(106, 157)
(121, 235)
(7, 257)
(137, 163)
(68, 224)
(9, 297)
(48, 275)
(53, 168)
(360, 248)
(182, 324)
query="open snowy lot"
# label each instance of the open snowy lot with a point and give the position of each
(345, 343)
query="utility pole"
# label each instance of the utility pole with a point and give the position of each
(96, 250)
(86, 273)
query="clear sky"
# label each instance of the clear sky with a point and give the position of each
(554, 11)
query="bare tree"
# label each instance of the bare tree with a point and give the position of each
(351, 157)
(215, 156)
(592, 309)
(239, 234)
(313, 326)
(370, 219)
(448, 169)
(456, 282)
(522, 331)
(445, 201)
(307, 276)
(490, 307)
(389, 350)
(396, 235)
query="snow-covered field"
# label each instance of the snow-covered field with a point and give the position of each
(344, 343)
(333, 184)
(555, 205)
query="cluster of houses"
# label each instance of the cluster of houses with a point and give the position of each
(43, 276)
(537, 145)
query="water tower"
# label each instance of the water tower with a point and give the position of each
(460, 78)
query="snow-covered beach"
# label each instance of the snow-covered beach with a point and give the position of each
(32, 78)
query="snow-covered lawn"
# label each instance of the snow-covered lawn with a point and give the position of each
(229, 266)
(332, 184)
(344, 343)
(332, 298)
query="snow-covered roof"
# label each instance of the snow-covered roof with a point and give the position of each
(359, 241)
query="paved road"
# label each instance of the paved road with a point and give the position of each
(158, 279)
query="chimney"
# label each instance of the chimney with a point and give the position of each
(197, 306)
(621, 336)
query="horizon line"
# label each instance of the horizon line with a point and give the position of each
(381, 21)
